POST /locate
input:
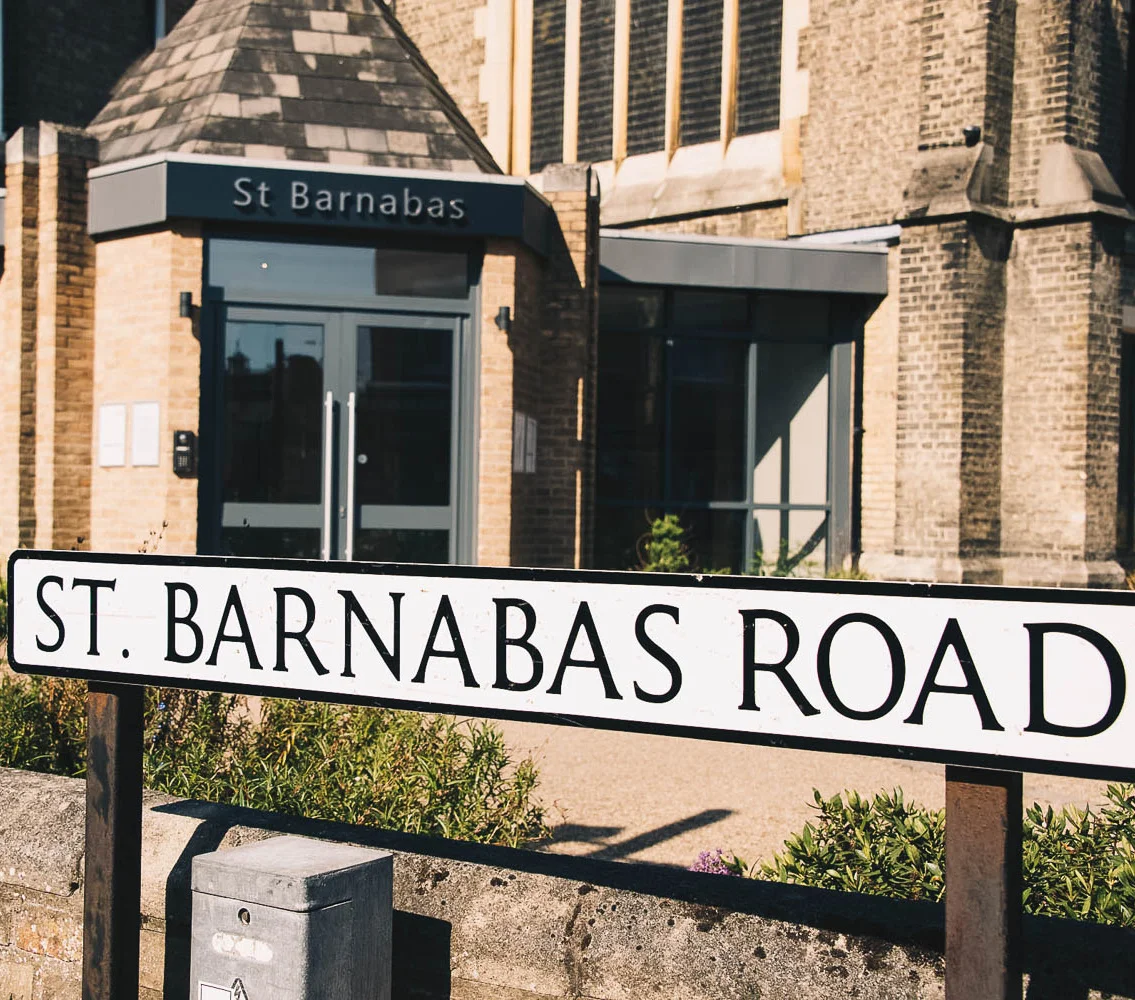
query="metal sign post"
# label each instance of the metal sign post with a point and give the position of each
(990, 681)
(113, 870)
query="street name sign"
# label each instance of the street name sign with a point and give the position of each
(1013, 679)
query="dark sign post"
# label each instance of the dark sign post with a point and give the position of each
(112, 876)
(988, 681)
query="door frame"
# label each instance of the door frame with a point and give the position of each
(340, 326)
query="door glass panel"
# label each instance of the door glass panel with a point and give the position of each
(630, 423)
(401, 545)
(404, 417)
(708, 400)
(715, 539)
(273, 414)
(293, 543)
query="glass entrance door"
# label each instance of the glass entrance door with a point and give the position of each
(337, 435)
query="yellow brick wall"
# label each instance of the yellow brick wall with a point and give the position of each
(145, 352)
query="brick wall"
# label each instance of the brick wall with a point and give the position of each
(861, 131)
(879, 361)
(139, 279)
(18, 302)
(64, 341)
(543, 367)
(762, 222)
(447, 34)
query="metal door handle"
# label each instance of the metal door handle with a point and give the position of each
(328, 465)
(349, 546)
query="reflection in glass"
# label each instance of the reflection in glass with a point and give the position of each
(401, 545)
(288, 543)
(404, 416)
(621, 534)
(630, 308)
(272, 391)
(708, 399)
(711, 310)
(261, 267)
(715, 539)
(630, 416)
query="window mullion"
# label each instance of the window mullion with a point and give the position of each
(729, 31)
(622, 80)
(673, 74)
(571, 80)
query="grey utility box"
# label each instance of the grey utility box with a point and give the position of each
(292, 919)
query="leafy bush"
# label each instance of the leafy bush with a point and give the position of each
(3, 607)
(665, 549)
(378, 767)
(1076, 863)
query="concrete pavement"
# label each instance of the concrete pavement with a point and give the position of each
(630, 797)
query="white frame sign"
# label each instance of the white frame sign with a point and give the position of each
(1013, 679)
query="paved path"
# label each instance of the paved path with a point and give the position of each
(625, 796)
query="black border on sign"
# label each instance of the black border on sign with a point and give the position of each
(948, 591)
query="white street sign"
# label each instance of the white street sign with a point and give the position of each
(1021, 679)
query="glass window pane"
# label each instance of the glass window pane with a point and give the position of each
(432, 274)
(597, 69)
(620, 536)
(401, 545)
(700, 117)
(715, 539)
(261, 268)
(403, 416)
(546, 144)
(629, 425)
(789, 541)
(628, 307)
(792, 423)
(758, 66)
(793, 317)
(291, 268)
(711, 310)
(272, 393)
(646, 77)
(288, 543)
(708, 399)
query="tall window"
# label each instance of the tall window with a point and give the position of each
(715, 406)
(646, 77)
(642, 63)
(758, 66)
(702, 28)
(596, 79)
(548, 40)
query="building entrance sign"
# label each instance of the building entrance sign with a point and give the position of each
(1017, 679)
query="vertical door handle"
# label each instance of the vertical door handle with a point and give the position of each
(328, 465)
(349, 547)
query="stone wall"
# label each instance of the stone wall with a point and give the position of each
(483, 923)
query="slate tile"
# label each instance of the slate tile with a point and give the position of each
(277, 16)
(248, 84)
(313, 41)
(265, 108)
(210, 148)
(367, 140)
(306, 153)
(326, 136)
(349, 158)
(329, 20)
(260, 37)
(245, 131)
(258, 152)
(351, 45)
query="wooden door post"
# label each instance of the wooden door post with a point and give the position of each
(983, 884)
(112, 882)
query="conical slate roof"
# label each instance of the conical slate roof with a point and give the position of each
(289, 79)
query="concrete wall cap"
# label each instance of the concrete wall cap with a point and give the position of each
(23, 147)
(566, 177)
(66, 140)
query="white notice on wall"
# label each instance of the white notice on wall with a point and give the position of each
(519, 425)
(112, 434)
(210, 992)
(530, 445)
(144, 435)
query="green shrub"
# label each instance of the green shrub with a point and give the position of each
(3, 607)
(378, 767)
(1076, 863)
(665, 549)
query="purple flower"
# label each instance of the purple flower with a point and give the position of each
(712, 863)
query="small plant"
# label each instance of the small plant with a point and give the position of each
(664, 548)
(377, 767)
(1076, 863)
(3, 608)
